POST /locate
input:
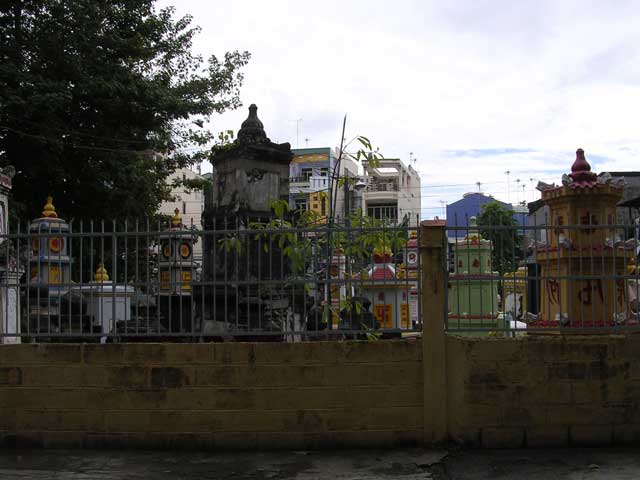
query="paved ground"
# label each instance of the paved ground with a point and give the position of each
(338, 465)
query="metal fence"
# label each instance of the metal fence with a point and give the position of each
(115, 281)
(511, 280)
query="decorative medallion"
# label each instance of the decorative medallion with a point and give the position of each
(166, 250)
(56, 244)
(185, 250)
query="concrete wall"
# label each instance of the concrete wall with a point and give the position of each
(233, 395)
(544, 390)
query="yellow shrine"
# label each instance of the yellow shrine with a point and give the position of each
(584, 262)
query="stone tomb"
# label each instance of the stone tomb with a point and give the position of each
(10, 271)
(242, 277)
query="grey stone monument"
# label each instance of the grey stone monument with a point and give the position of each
(10, 270)
(248, 177)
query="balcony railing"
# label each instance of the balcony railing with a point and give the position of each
(382, 187)
(301, 179)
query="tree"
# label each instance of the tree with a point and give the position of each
(497, 224)
(98, 100)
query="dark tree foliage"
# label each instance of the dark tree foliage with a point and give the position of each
(98, 101)
(507, 240)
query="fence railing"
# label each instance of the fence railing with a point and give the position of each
(124, 281)
(504, 280)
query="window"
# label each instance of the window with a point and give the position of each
(306, 174)
(324, 172)
(383, 212)
(301, 204)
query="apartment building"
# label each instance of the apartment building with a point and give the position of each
(309, 176)
(392, 191)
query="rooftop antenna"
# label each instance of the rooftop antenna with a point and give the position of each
(444, 211)
(478, 184)
(410, 156)
(533, 191)
(507, 173)
(306, 141)
(517, 188)
(297, 120)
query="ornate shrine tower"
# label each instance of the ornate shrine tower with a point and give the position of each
(473, 292)
(176, 270)
(248, 176)
(584, 262)
(49, 260)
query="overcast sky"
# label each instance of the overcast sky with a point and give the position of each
(472, 88)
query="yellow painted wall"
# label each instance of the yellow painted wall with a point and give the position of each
(544, 390)
(319, 203)
(236, 395)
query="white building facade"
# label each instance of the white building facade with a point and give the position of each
(392, 191)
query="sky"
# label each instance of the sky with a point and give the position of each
(469, 89)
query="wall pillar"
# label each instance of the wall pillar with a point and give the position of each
(434, 292)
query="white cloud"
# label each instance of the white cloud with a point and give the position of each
(431, 77)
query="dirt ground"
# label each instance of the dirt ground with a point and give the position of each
(410, 464)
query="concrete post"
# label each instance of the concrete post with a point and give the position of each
(434, 291)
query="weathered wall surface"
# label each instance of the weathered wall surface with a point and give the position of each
(234, 395)
(544, 390)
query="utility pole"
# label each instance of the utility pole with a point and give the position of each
(346, 199)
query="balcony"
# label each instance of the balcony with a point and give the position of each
(299, 181)
(312, 183)
(382, 187)
(318, 183)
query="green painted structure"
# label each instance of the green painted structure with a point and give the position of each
(473, 287)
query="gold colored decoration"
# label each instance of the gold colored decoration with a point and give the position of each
(166, 250)
(176, 221)
(55, 277)
(164, 280)
(185, 276)
(49, 210)
(101, 274)
(35, 245)
(382, 250)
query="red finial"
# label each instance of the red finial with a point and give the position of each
(581, 172)
(581, 164)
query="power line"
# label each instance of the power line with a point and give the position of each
(75, 132)
(73, 145)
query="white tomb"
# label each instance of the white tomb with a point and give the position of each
(107, 302)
